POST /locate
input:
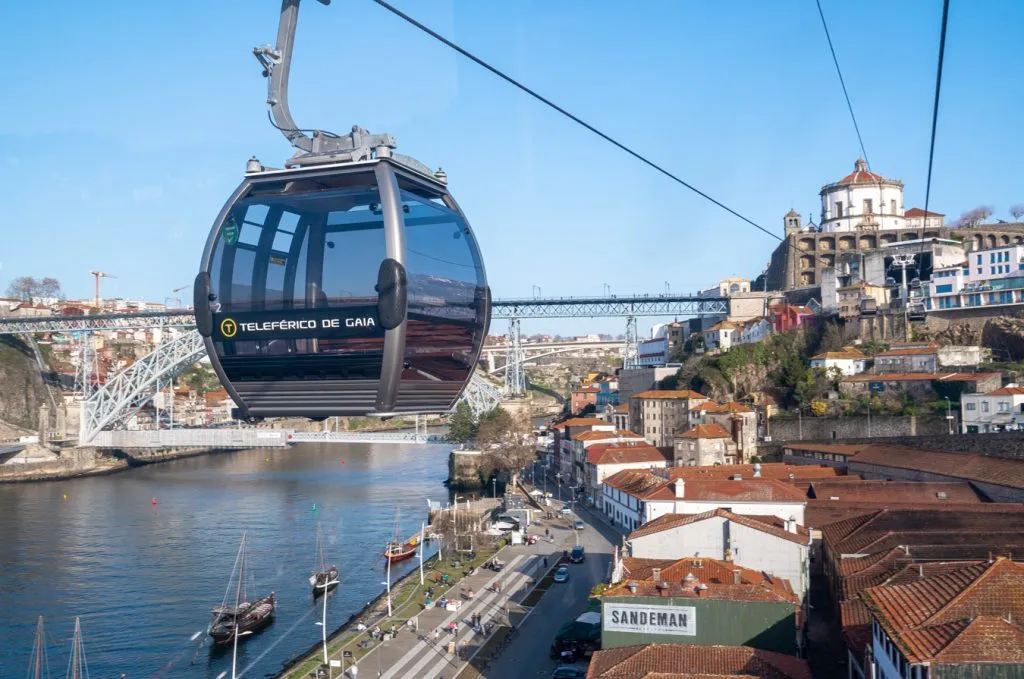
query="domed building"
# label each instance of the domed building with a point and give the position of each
(862, 201)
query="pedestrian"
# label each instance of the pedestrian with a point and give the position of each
(545, 562)
(437, 634)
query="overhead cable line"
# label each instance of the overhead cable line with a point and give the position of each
(839, 72)
(935, 106)
(576, 119)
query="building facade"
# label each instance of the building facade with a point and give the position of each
(658, 413)
(998, 410)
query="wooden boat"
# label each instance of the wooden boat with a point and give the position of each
(324, 577)
(231, 623)
(396, 551)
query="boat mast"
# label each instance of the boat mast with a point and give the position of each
(238, 595)
(320, 548)
(77, 663)
(39, 654)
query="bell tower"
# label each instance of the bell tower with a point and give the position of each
(791, 222)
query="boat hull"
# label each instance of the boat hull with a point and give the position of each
(256, 616)
(324, 581)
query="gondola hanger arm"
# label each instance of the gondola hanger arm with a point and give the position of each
(322, 146)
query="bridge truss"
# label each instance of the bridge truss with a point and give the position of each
(130, 389)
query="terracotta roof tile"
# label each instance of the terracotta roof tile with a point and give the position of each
(1007, 391)
(684, 661)
(769, 470)
(718, 490)
(821, 513)
(668, 393)
(918, 212)
(851, 354)
(730, 407)
(910, 351)
(931, 615)
(705, 431)
(771, 525)
(920, 377)
(633, 482)
(622, 408)
(985, 468)
(684, 577)
(603, 435)
(624, 455)
(579, 422)
(834, 448)
(901, 491)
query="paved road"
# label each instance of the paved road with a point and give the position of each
(527, 656)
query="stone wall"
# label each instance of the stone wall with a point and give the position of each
(1005, 444)
(22, 391)
(785, 429)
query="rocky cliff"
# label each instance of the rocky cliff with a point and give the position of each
(22, 391)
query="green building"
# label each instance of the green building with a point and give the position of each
(700, 601)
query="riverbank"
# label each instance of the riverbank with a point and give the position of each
(73, 463)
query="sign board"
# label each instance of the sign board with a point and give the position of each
(339, 323)
(346, 654)
(650, 619)
(876, 387)
(335, 663)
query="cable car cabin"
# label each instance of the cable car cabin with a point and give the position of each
(346, 289)
(868, 306)
(916, 311)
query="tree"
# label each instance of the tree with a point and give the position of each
(1017, 211)
(26, 288)
(462, 424)
(506, 443)
(971, 218)
(831, 338)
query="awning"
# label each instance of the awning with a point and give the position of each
(1002, 418)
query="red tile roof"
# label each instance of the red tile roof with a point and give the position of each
(634, 482)
(766, 524)
(834, 448)
(717, 490)
(668, 393)
(982, 468)
(603, 435)
(918, 212)
(580, 422)
(910, 351)
(769, 470)
(700, 578)
(624, 454)
(902, 491)
(920, 377)
(1007, 391)
(730, 407)
(844, 354)
(684, 661)
(933, 615)
(622, 408)
(705, 431)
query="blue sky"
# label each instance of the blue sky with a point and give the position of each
(127, 124)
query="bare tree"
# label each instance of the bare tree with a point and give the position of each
(27, 287)
(972, 218)
(506, 443)
(1017, 211)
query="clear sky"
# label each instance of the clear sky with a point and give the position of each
(125, 125)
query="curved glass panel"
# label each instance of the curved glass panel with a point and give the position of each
(294, 269)
(446, 292)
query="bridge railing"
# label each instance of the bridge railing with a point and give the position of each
(193, 438)
(364, 436)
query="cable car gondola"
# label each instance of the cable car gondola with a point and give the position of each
(347, 283)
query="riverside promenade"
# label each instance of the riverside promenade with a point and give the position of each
(423, 646)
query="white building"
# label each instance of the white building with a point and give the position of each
(722, 336)
(847, 361)
(862, 200)
(605, 460)
(727, 287)
(916, 218)
(991, 277)
(633, 498)
(755, 330)
(999, 410)
(652, 352)
(766, 544)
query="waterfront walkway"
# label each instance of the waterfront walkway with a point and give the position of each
(416, 651)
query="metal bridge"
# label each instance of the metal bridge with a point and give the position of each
(123, 395)
(366, 437)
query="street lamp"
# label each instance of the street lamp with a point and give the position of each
(494, 487)
(949, 414)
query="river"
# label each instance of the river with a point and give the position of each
(144, 577)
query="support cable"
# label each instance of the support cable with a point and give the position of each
(842, 82)
(935, 106)
(611, 140)
(576, 119)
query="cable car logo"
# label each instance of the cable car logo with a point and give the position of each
(228, 327)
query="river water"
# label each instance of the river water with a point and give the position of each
(144, 577)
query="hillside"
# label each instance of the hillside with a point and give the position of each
(21, 387)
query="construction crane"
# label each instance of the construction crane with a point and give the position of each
(177, 299)
(98, 275)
